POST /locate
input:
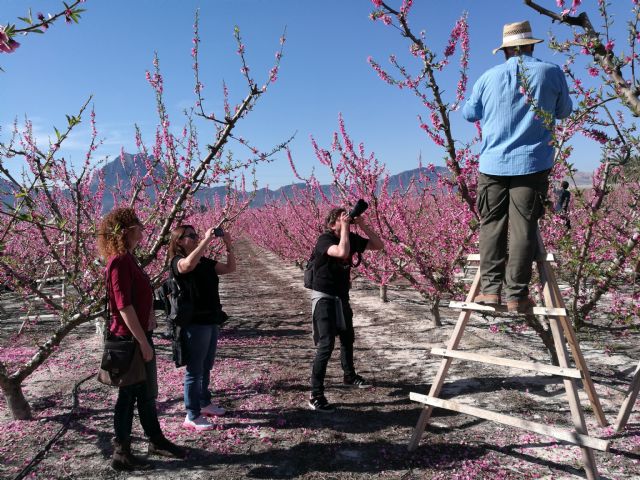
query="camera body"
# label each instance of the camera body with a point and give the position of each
(218, 232)
(358, 209)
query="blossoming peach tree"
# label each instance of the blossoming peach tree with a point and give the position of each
(50, 210)
(596, 229)
(600, 251)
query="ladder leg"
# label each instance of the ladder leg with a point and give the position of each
(577, 414)
(438, 381)
(629, 401)
(549, 280)
(551, 290)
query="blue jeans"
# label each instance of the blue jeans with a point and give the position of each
(200, 344)
(144, 394)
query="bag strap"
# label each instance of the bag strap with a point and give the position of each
(184, 282)
(108, 321)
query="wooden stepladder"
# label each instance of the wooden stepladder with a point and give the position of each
(629, 401)
(562, 332)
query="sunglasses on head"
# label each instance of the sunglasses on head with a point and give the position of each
(191, 235)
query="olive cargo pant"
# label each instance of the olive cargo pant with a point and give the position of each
(513, 205)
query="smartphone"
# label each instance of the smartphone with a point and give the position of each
(218, 232)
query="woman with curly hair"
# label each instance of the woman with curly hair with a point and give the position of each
(131, 315)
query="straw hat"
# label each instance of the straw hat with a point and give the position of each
(516, 34)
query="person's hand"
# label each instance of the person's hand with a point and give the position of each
(146, 350)
(226, 238)
(209, 234)
(358, 220)
(345, 220)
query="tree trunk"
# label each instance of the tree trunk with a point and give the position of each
(578, 320)
(545, 335)
(16, 403)
(383, 294)
(435, 311)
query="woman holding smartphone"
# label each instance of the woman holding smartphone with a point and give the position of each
(191, 268)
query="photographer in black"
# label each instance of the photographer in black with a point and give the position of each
(332, 314)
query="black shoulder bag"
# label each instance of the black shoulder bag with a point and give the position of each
(122, 363)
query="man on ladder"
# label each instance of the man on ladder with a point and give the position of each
(515, 161)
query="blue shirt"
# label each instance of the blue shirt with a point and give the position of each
(514, 142)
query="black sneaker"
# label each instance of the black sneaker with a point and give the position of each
(357, 382)
(321, 404)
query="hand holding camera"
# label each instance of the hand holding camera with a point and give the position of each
(358, 209)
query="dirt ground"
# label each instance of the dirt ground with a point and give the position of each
(262, 374)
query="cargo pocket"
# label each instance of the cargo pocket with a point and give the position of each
(482, 202)
(538, 206)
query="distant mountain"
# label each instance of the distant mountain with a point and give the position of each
(583, 180)
(123, 169)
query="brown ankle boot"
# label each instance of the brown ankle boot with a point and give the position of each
(521, 305)
(488, 299)
(160, 445)
(124, 460)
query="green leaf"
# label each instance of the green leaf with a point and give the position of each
(26, 20)
(57, 133)
(37, 30)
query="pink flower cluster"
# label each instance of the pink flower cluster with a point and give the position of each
(7, 44)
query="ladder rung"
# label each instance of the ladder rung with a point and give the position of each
(44, 316)
(475, 257)
(548, 311)
(51, 279)
(507, 362)
(561, 434)
(50, 297)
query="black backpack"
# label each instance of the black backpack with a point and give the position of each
(308, 270)
(175, 299)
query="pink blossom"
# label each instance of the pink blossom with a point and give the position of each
(7, 45)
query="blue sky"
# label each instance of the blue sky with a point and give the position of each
(324, 72)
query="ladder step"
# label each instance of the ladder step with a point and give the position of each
(44, 316)
(548, 311)
(507, 362)
(549, 257)
(51, 279)
(543, 429)
(50, 297)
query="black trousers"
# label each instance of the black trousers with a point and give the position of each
(144, 395)
(324, 318)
